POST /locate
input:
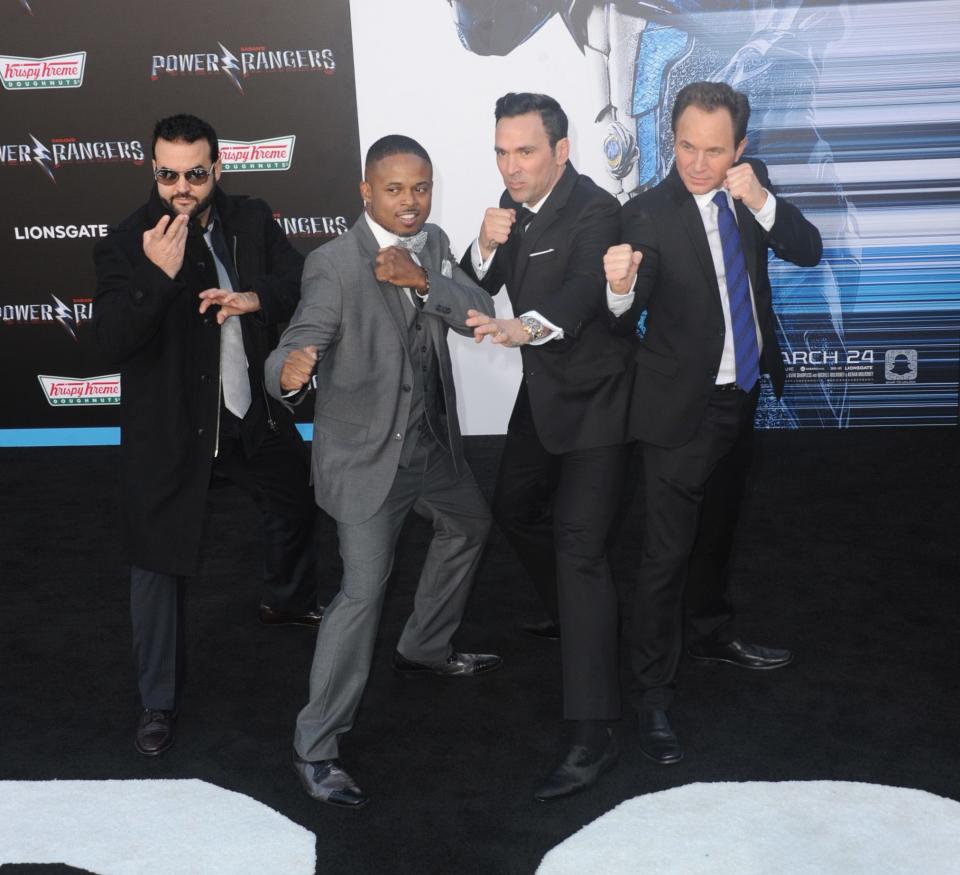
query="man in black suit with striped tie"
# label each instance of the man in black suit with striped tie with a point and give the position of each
(694, 261)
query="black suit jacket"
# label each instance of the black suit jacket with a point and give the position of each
(579, 387)
(679, 357)
(149, 326)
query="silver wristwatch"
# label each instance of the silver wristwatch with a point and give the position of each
(534, 327)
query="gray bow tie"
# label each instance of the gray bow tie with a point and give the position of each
(414, 243)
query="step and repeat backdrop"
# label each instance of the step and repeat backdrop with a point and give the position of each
(856, 112)
(81, 85)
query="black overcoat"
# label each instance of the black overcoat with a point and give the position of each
(150, 328)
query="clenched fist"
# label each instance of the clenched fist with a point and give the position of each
(495, 229)
(743, 185)
(296, 370)
(620, 265)
(394, 265)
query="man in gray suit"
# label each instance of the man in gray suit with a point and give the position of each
(372, 320)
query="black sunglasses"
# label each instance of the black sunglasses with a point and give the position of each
(195, 175)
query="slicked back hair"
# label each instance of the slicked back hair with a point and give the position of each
(551, 113)
(394, 144)
(711, 96)
(185, 128)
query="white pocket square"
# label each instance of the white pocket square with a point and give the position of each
(446, 269)
(541, 252)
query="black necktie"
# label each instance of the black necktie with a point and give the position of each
(524, 218)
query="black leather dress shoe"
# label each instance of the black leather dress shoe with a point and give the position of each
(741, 653)
(581, 768)
(455, 665)
(326, 781)
(544, 628)
(657, 739)
(154, 731)
(272, 617)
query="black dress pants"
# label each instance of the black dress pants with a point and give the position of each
(556, 511)
(276, 477)
(693, 494)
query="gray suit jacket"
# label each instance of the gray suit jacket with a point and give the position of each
(364, 370)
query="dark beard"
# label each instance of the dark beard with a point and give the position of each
(197, 209)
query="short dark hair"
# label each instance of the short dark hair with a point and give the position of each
(711, 96)
(185, 128)
(394, 144)
(551, 114)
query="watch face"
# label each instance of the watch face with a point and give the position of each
(533, 326)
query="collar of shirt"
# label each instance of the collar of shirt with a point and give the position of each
(212, 220)
(703, 200)
(383, 237)
(535, 208)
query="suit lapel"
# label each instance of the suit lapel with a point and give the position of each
(546, 216)
(692, 223)
(388, 293)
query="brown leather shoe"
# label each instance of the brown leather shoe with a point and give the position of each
(272, 617)
(155, 731)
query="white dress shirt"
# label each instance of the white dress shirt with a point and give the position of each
(766, 216)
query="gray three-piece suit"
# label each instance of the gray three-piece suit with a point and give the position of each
(386, 440)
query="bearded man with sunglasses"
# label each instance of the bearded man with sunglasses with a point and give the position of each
(190, 289)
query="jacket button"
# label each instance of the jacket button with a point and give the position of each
(405, 387)
(202, 265)
(419, 327)
(204, 378)
(201, 432)
(398, 437)
(138, 295)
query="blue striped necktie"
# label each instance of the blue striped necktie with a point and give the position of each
(738, 293)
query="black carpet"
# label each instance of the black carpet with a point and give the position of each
(848, 553)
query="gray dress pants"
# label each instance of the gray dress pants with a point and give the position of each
(345, 641)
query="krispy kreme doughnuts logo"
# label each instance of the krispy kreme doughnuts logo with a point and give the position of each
(273, 154)
(57, 71)
(73, 391)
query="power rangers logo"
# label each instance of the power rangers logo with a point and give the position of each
(312, 226)
(57, 71)
(68, 316)
(71, 391)
(252, 60)
(70, 150)
(274, 154)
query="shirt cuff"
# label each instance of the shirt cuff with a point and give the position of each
(619, 304)
(480, 267)
(767, 214)
(555, 331)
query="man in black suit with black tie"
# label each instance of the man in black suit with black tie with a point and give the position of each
(695, 260)
(566, 452)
